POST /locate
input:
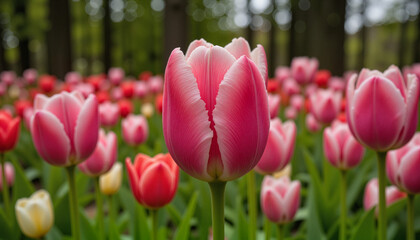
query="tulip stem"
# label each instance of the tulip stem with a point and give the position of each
(382, 199)
(252, 206)
(267, 228)
(154, 214)
(74, 214)
(280, 230)
(218, 209)
(99, 210)
(6, 199)
(410, 216)
(343, 215)
(111, 212)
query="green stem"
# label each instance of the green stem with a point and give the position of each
(6, 198)
(410, 217)
(74, 210)
(99, 210)
(280, 230)
(382, 199)
(111, 212)
(343, 216)
(218, 209)
(252, 206)
(154, 214)
(267, 228)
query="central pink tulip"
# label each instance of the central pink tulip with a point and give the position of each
(65, 127)
(215, 109)
(382, 108)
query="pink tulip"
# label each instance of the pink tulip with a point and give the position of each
(304, 69)
(135, 129)
(413, 69)
(340, 148)
(325, 105)
(371, 195)
(297, 101)
(273, 104)
(84, 88)
(8, 77)
(215, 111)
(27, 116)
(382, 108)
(311, 123)
(10, 175)
(280, 199)
(279, 148)
(291, 113)
(402, 166)
(155, 84)
(337, 84)
(30, 75)
(104, 156)
(73, 78)
(116, 75)
(116, 93)
(109, 114)
(291, 87)
(140, 89)
(65, 127)
(282, 73)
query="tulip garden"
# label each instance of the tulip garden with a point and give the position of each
(211, 149)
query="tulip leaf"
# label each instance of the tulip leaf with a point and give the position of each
(314, 225)
(22, 186)
(183, 231)
(87, 231)
(365, 230)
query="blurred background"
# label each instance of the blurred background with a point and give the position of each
(90, 36)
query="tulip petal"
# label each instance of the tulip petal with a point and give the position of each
(292, 199)
(408, 171)
(40, 101)
(87, 129)
(50, 138)
(195, 44)
(259, 58)
(241, 118)
(393, 73)
(273, 158)
(271, 205)
(352, 153)
(26, 223)
(392, 167)
(133, 179)
(331, 148)
(186, 124)
(239, 47)
(378, 113)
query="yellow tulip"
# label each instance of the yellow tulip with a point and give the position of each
(35, 214)
(147, 110)
(110, 182)
(286, 171)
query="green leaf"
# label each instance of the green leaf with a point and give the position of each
(183, 231)
(365, 230)
(22, 187)
(87, 231)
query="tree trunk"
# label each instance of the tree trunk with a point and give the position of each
(175, 26)
(363, 37)
(292, 32)
(59, 38)
(24, 54)
(403, 40)
(272, 43)
(417, 41)
(3, 63)
(107, 37)
(249, 31)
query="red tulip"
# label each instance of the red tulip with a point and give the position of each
(21, 106)
(127, 89)
(47, 83)
(126, 107)
(322, 77)
(153, 181)
(9, 131)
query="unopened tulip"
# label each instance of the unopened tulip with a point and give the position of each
(303, 69)
(144, 76)
(402, 166)
(322, 77)
(215, 110)
(382, 108)
(291, 87)
(311, 123)
(47, 83)
(337, 84)
(126, 107)
(73, 78)
(297, 101)
(153, 181)
(282, 73)
(65, 127)
(147, 110)
(9, 131)
(135, 129)
(290, 113)
(103, 157)
(127, 89)
(116, 75)
(285, 172)
(8, 77)
(159, 103)
(116, 93)
(35, 215)
(371, 194)
(21, 106)
(155, 84)
(110, 182)
(141, 89)
(109, 114)
(279, 148)
(280, 199)
(273, 104)
(30, 75)
(10, 175)
(340, 147)
(325, 105)
(27, 116)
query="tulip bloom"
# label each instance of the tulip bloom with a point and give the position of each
(46, 83)
(370, 199)
(104, 156)
(65, 128)
(126, 107)
(8, 77)
(110, 182)
(116, 75)
(325, 105)
(141, 89)
(382, 108)
(303, 69)
(340, 148)
(73, 78)
(109, 114)
(135, 129)
(147, 110)
(9, 131)
(273, 104)
(10, 175)
(30, 75)
(282, 73)
(402, 166)
(280, 199)
(155, 84)
(290, 113)
(35, 215)
(312, 124)
(215, 109)
(153, 181)
(279, 148)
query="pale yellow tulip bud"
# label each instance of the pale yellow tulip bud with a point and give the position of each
(35, 214)
(286, 171)
(147, 110)
(110, 182)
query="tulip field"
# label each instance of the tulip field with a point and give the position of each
(211, 149)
